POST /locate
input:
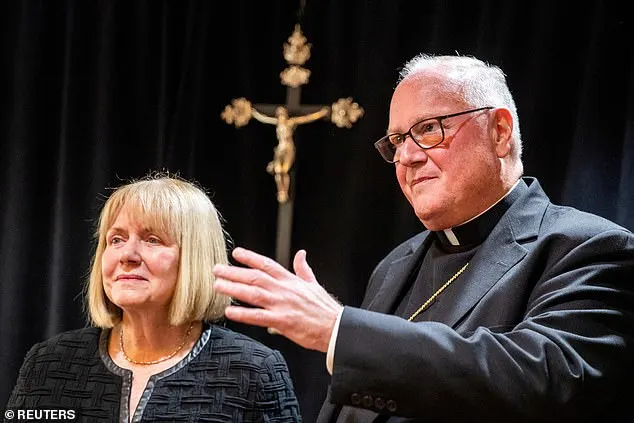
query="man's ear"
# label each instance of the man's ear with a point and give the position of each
(502, 129)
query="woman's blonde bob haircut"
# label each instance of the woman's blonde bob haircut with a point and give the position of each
(180, 210)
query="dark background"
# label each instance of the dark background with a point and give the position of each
(96, 92)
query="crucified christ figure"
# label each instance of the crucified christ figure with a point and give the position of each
(284, 152)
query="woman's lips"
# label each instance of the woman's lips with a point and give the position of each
(129, 277)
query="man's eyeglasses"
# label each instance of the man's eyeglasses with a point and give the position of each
(426, 134)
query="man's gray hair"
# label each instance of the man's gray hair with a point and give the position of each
(481, 84)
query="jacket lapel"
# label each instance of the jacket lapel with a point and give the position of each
(397, 276)
(498, 254)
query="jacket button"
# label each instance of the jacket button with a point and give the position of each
(355, 399)
(379, 403)
(367, 401)
(391, 406)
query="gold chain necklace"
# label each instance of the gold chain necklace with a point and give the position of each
(437, 293)
(160, 360)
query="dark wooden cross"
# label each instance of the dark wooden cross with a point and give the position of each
(286, 117)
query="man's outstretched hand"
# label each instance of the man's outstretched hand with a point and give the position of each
(292, 304)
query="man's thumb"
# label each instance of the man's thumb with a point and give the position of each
(301, 267)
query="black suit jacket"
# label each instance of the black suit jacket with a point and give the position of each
(540, 327)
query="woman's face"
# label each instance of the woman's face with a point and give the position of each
(139, 266)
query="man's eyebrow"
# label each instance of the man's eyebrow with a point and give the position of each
(418, 119)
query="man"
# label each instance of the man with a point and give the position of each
(507, 308)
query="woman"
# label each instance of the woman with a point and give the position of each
(153, 351)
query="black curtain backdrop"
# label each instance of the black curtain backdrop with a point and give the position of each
(97, 92)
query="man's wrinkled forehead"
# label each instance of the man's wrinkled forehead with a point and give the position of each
(441, 79)
(423, 95)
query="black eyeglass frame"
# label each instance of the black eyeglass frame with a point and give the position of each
(386, 138)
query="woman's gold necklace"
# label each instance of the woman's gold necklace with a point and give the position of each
(437, 293)
(160, 360)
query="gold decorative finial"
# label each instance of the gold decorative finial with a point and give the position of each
(345, 112)
(297, 51)
(238, 113)
(294, 76)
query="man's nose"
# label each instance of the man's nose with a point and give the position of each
(409, 152)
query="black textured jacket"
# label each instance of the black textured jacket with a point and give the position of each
(227, 377)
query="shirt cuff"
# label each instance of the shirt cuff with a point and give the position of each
(330, 355)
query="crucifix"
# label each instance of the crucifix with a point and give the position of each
(286, 117)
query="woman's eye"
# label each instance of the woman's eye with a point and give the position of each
(153, 240)
(115, 240)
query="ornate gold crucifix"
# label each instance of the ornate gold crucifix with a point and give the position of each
(286, 117)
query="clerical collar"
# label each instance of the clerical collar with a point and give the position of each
(475, 230)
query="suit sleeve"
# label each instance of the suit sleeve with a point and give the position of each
(571, 357)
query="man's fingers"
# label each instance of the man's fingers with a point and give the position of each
(251, 316)
(247, 294)
(242, 275)
(260, 262)
(301, 267)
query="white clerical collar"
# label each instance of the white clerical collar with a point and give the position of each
(453, 240)
(449, 233)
